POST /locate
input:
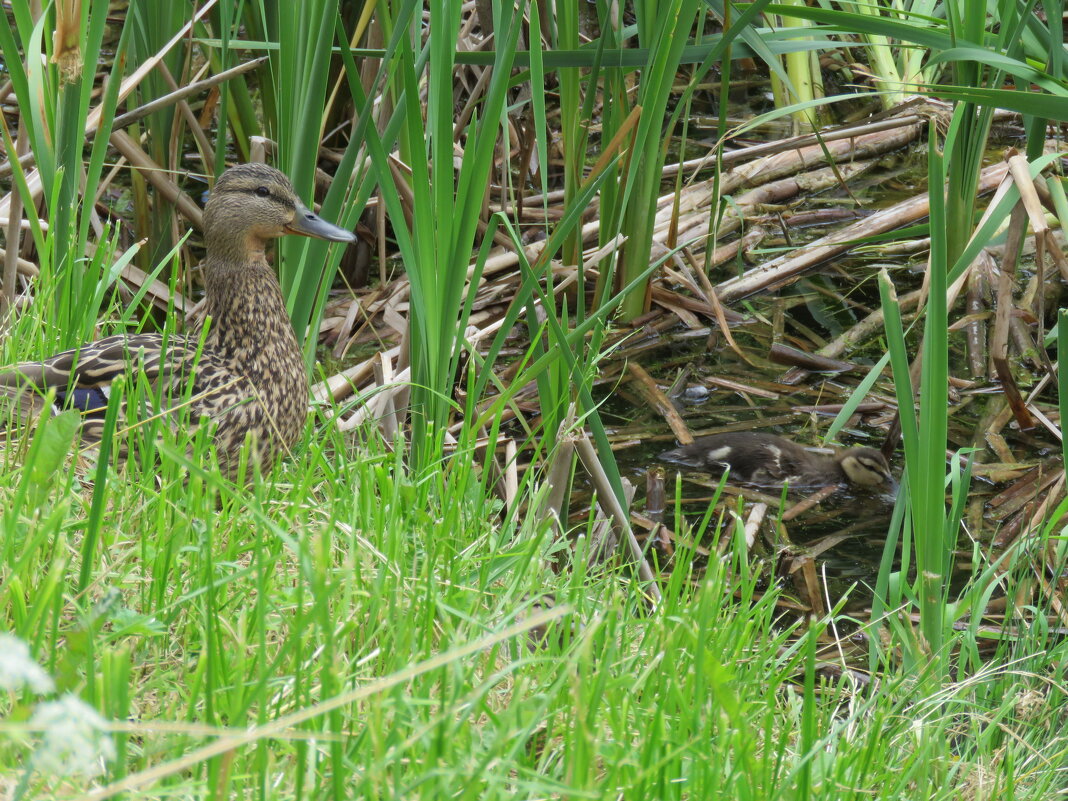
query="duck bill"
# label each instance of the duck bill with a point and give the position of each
(308, 223)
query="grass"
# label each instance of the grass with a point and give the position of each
(367, 628)
(359, 623)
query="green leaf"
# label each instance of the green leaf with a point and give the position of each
(51, 444)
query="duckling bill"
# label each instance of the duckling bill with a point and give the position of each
(769, 460)
(248, 377)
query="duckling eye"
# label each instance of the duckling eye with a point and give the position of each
(263, 191)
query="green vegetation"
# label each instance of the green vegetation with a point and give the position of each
(372, 620)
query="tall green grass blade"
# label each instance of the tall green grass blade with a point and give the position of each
(98, 504)
(446, 206)
(856, 398)
(642, 180)
(935, 542)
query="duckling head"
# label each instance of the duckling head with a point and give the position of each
(866, 467)
(252, 203)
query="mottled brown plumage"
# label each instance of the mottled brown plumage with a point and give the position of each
(769, 460)
(249, 375)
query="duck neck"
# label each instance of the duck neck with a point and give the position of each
(825, 466)
(249, 322)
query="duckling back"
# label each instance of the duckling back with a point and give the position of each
(770, 460)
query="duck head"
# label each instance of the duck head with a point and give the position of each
(252, 203)
(866, 467)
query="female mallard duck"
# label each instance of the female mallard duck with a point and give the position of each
(768, 460)
(248, 375)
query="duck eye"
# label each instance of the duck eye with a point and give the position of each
(263, 191)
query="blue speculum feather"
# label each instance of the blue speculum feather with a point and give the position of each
(90, 401)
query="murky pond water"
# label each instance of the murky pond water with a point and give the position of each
(717, 386)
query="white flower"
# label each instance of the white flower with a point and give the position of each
(74, 738)
(17, 668)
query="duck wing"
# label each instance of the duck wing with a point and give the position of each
(82, 377)
(94, 365)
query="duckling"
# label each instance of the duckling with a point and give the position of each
(769, 460)
(248, 377)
